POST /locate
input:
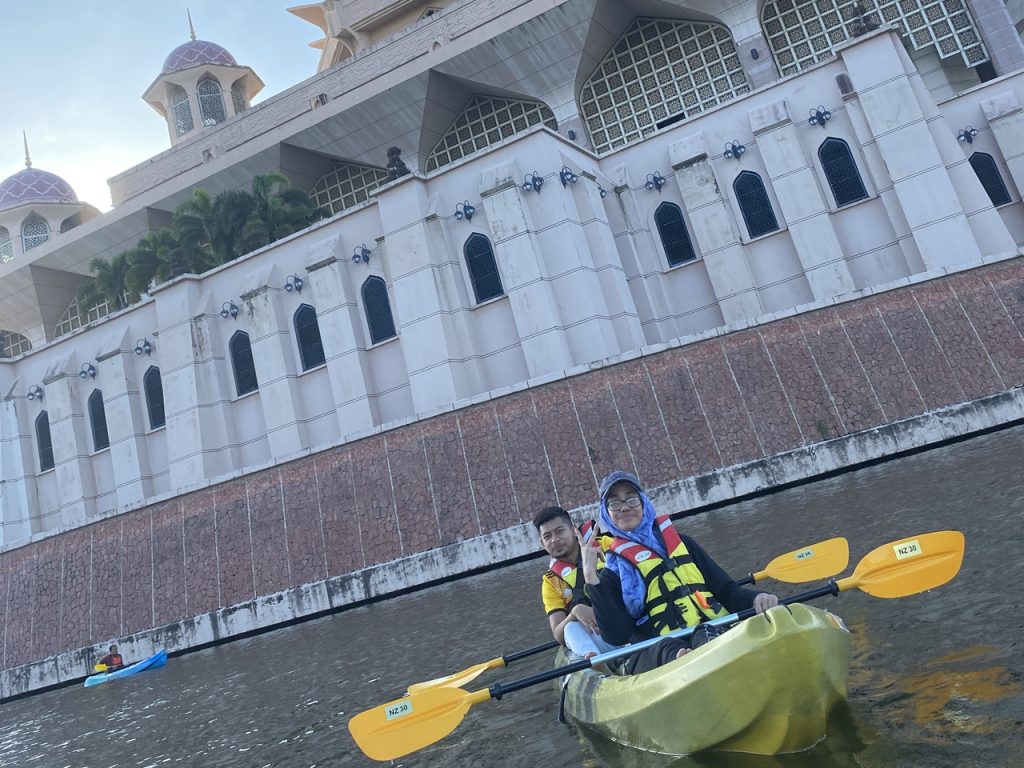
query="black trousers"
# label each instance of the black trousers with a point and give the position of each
(665, 651)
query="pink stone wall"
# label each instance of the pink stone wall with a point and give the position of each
(666, 416)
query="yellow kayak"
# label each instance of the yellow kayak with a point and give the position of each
(765, 687)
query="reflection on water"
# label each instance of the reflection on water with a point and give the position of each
(935, 679)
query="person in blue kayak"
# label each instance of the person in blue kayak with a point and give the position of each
(112, 660)
(655, 580)
(569, 613)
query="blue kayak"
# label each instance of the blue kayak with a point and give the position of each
(158, 659)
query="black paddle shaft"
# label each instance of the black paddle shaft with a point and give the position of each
(498, 689)
(529, 652)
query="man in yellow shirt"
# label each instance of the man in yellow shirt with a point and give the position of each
(569, 613)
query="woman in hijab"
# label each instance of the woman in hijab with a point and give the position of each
(656, 580)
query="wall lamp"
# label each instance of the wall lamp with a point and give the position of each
(819, 116)
(603, 191)
(361, 254)
(533, 181)
(566, 176)
(655, 181)
(229, 309)
(734, 150)
(464, 211)
(143, 346)
(35, 392)
(967, 135)
(87, 371)
(294, 283)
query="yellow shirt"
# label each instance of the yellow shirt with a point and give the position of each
(555, 591)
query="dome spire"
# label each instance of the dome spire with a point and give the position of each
(28, 158)
(191, 29)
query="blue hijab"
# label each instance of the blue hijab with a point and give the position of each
(634, 591)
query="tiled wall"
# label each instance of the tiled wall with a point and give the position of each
(669, 415)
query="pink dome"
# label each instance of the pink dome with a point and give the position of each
(34, 185)
(194, 53)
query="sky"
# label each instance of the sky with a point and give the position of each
(73, 73)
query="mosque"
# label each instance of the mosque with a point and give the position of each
(516, 193)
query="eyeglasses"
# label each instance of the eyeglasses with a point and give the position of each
(617, 505)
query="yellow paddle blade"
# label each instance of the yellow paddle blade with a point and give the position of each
(458, 679)
(100, 667)
(405, 725)
(816, 561)
(908, 566)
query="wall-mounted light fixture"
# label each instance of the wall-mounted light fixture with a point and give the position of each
(533, 181)
(602, 191)
(655, 181)
(361, 254)
(819, 116)
(143, 346)
(754, 54)
(229, 309)
(966, 135)
(566, 176)
(464, 211)
(35, 392)
(734, 150)
(294, 283)
(87, 371)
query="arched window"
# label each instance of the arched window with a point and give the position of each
(154, 389)
(243, 364)
(238, 96)
(346, 184)
(43, 442)
(6, 247)
(13, 344)
(483, 270)
(841, 171)
(211, 102)
(985, 166)
(34, 232)
(674, 237)
(754, 204)
(378, 310)
(98, 420)
(182, 110)
(307, 333)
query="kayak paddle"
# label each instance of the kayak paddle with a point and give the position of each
(810, 563)
(897, 569)
(100, 667)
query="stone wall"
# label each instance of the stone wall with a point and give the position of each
(725, 399)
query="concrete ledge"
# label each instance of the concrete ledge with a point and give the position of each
(686, 496)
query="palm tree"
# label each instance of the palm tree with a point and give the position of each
(195, 224)
(158, 256)
(278, 211)
(231, 209)
(110, 284)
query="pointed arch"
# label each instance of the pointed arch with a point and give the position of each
(659, 72)
(238, 100)
(378, 309)
(841, 171)
(153, 386)
(487, 120)
(6, 246)
(98, 421)
(344, 185)
(307, 334)
(13, 344)
(988, 174)
(181, 110)
(675, 238)
(242, 364)
(211, 101)
(44, 443)
(34, 232)
(483, 268)
(754, 204)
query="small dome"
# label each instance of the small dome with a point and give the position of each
(34, 185)
(196, 52)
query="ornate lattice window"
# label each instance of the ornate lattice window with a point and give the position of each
(181, 110)
(44, 443)
(674, 236)
(378, 310)
(98, 421)
(154, 389)
(483, 269)
(242, 364)
(804, 32)
(985, 166)
(841, 171)
(345, 185)
(211, 102)
(307, 334)
(6, 246)
(486, 121)
(75, 316)
(13, 344)
(238, 96)
(754, 204)
(659, 72)
(34, 232)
